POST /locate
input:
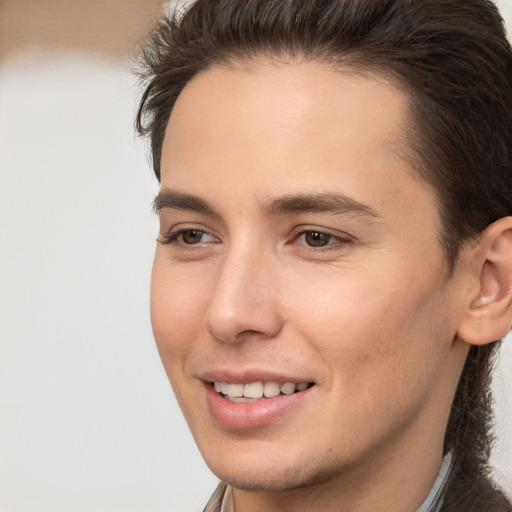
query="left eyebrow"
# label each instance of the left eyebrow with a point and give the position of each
(334, 203)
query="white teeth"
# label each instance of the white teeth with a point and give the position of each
(254, 391)
(288, 388)
(235, 390)
(271, 389)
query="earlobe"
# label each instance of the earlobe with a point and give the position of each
(488, 315)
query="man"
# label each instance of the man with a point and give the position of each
(334, 263)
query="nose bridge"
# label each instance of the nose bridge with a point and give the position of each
(243, 302)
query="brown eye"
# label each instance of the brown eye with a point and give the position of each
(317, 239)
(192, 236)
(183, 237)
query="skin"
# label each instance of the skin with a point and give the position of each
(371, 317)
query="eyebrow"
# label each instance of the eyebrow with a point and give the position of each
(334, 203)
(170, 199)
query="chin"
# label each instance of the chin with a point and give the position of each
(276, 475)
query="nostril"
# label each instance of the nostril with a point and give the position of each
(250, 333)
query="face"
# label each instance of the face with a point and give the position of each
(300, 297)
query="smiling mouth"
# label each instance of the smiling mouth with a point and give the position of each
(256, 391)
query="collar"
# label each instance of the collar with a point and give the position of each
(434, 501)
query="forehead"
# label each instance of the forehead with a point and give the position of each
(287, 105)
(292, 127)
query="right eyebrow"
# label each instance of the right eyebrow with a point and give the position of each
(171, 199)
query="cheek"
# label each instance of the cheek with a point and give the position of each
(177, 317)
(378, 329)
(382, 356)
(177, 314)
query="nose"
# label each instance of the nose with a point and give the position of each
(244, 303)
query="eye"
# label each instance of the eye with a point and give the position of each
(318, 239)
(194, 236)
(188, 237)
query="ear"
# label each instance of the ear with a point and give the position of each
(488, 313)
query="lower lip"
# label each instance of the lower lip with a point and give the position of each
(246, 415)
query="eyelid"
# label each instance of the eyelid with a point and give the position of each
(299, 230)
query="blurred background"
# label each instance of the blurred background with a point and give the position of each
(87, 418)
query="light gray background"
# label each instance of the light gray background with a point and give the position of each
(88, 420)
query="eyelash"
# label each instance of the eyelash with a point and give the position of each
(173, 238)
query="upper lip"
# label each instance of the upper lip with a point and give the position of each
(250, 375)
